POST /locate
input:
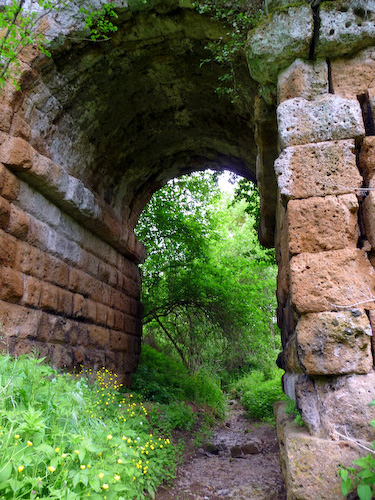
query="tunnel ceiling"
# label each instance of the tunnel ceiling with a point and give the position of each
(128, 114)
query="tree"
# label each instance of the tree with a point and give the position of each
(208, 287)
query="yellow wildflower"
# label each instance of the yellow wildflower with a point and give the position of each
(105, 486)
(20, 468)
(51, 468)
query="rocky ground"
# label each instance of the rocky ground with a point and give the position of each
(241, 462)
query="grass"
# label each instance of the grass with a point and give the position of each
(74, 436)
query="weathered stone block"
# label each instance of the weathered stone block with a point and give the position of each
(319, 224)
(19, 322)
(49, 298)
(4, 213)
(8, 248)
(326, 281)
(304, 460)
(101, 314)
(30, 260)
(79, 306)
(18, 223)
(327, 118)
(56, 271)
(337, 406)
(278, 41)
(344, 31)
(32, 291)
(16, 152)
(98, 336)
(368, 216)
(11, 284)
(118, 341)
(289, 360)
(351, 77)
(91, 311)
(9, 184)
(65, 302)
(318, 170)
(334, 343)
(20, 128)
(6, 114)
(304, 79)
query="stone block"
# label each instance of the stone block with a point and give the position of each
(9, 184)
(16, 152)
(98, 336)
(19, 322)
(4, 213)
(56, 271)
(6, 115)
(79, 306)
(345, 30)
(119, 320)
(326, 168)
(91, 311)
(278, 41)
(352, 77)
(326, 118)
(367, 158)
(11, 285)
(118, 341)
(32, 291)
(49, 297)
(288, 360)
(334, 343)
(337, 406)
(327, 281)
(18, 223)
(319, 224)
(8, 248)
(368, 217)
(65, 302)
(101, 314)
(304, 79)
(30, 260)
(304, 459)
(111, 313)
(20, 128)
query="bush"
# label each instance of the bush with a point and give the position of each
(258, 395)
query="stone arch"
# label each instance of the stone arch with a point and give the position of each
(96, 129)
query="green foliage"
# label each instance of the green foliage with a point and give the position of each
(258, 395)
(208, 287)
(291, 409)
(238, 18)
(164, 380)
(362, 477)
(63, 436)
(19, 28)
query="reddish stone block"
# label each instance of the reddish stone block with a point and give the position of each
(91, 311)
(18, 223)
(101, 314)
(119, 320)
(333, 280)
(319, 224)
(131, 325)
(49, 297)
(18, 321)
(131, 288)
(65, 302)
(4, 213)
(11, 284)
(32, 291)
(8, 249)
(6, 114)
(98, 336)
(9, 184)
(110, 318)
(16, 153)
(79, 306)
(20, 128)
(118, 341)
(30, 260)
(56, 271)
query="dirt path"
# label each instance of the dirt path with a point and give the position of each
(241, 463)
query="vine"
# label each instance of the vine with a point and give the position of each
(238, 17)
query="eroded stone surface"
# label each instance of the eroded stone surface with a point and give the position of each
(337, 406)
(326, 281)
(351, 77)
(281, 38)
(326, 118)
(304, 460)
(304, 79)
(318, 170)
(334, 343)
(319, 224)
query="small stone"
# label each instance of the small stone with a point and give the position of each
(303, 79)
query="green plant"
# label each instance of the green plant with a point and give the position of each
(238, 17)
(291, 409)
(19, 28)
(362, 477)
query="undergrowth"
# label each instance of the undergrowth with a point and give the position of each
(73, 436)
(258, 394)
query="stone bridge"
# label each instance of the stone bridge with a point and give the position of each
(97, 128)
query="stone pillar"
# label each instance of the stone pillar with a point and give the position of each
(324, 233)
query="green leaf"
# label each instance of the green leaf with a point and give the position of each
(5, 472)
(364, 492)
